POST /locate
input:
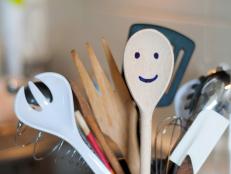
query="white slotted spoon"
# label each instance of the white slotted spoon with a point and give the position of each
(148, 66)
(56, 117)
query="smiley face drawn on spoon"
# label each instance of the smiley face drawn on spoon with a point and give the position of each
(148, 65)
(146, 80)
(143, 79)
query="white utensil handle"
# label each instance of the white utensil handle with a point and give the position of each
(146, 143)
(90, 158)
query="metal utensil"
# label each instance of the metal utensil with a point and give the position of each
(203, 93)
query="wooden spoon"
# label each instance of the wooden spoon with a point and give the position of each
(148, 66)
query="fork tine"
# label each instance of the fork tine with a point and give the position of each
(85, 78)
(40, 98)
(92, 93)
(115, 73)
(103, 82)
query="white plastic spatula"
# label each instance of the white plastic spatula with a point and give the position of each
(200, 139)
(148, 66)
(56, 117)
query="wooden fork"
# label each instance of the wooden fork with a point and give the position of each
(113, 108)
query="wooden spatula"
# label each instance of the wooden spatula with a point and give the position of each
(133, 157)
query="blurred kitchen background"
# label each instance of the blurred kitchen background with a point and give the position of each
(37, 35)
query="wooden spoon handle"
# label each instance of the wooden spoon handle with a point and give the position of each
(146, 143)
(133, 147)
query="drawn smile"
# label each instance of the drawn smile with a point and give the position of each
(145, 80)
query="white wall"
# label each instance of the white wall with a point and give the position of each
(1, 52)
(207, 22)
(73, 22)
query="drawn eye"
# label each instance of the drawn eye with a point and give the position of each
(137, 55)
(156, 55)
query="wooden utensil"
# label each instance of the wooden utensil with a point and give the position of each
(148, 66)
(91, 139)
(110, 106)
(133, 157)
(117, 119)
(90, 119)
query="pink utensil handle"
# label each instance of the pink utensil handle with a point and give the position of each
(98, 150)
